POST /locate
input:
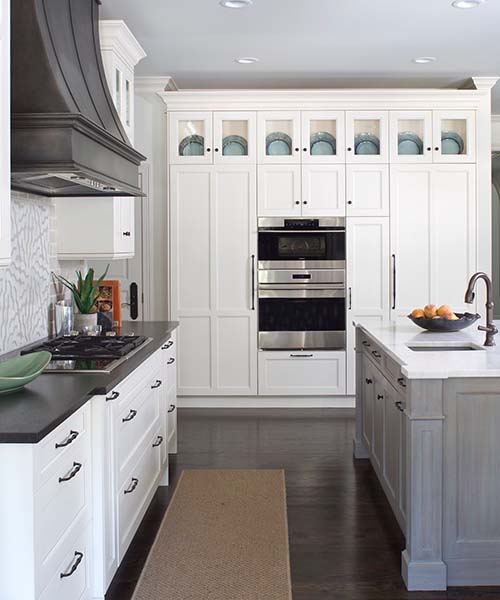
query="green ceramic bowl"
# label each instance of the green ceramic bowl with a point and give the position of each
(16, 372)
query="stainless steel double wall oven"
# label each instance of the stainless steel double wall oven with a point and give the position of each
(301, 283)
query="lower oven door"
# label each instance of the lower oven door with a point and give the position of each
(301, 319)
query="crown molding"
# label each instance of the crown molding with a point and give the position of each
(484, 83)
(115, 36)
(155, 84)
(325, 99)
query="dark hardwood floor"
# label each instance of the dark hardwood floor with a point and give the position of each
(345, 543)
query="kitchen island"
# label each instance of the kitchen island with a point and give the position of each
(428, 418)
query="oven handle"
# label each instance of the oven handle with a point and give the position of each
(283, 230)
(253, 281)
(270, 292)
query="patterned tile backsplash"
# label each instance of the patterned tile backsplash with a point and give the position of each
(26, 291)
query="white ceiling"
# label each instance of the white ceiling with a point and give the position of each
(314, 43)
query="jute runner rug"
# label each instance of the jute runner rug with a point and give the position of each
(224, 537)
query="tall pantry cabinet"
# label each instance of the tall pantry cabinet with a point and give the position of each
(417, 221)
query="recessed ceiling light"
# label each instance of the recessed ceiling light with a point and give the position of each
(466, 3)
(235, 3)
(423, 60)
(246, 60)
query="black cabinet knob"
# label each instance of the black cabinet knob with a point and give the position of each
(429, 149)
(297, 149)
(216, 149)
(297, 202)
(208, 149)
(126, 233)
(349, 202)
(436, 148)
(349, 149)
(305, 149)
(305, 201)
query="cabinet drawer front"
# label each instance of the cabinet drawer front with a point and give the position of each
(299, 373)
(393, 372)
(137, 380)
(59, 506)
(134, 492)
(58, 444)
(133, 425)
(71, 580)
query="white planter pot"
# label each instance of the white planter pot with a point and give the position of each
(82, 321)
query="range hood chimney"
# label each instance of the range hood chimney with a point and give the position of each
(67, 138)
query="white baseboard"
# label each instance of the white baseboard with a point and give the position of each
(265, 402)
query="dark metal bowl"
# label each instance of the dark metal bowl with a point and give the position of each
(442, 324)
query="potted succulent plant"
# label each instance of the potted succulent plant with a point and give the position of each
(85, 293)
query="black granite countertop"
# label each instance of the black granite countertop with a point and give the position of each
(28, 415)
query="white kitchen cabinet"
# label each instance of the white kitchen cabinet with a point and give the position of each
(190, 138)
(235, 137)
(433, 235)
(454, 134)
(103, 227)
(278, 137)
(94, 227)
(367, 279)
(411, 136)
(46, 513)
(323, 137)
(129, 440)
(214, 241)
(5, 250)
(367, 137)
(279, 190)
(392, 443)
(323, 190)
(367, 190)
(301, 373)
(120, 54)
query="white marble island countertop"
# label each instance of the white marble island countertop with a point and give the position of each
(396, 337)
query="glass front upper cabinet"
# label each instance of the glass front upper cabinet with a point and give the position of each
(190, 138)
(279, 137)
(367, 135)
(235, 137)
(410, 135)
(323, 137)
(454, 135)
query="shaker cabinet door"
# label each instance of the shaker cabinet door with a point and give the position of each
(323, 190)
(190, 138)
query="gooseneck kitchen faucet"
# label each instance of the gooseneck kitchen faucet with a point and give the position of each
(490, 328)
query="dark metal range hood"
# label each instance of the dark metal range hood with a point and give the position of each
(67, 138)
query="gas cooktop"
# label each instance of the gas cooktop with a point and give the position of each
(89, 354)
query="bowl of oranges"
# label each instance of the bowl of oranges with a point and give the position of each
(441, 318)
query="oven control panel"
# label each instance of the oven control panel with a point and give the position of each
(301, 223)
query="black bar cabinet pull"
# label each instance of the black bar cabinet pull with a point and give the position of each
(365, 343)
(171, 361)
(253, 281)
(393, 282)
(380, 396)
(376, 354)
(113, 396)
(71, 438)
(76, 467)
(76, 564)
(171, 408)
(167, 345)
(132, 486)
(402, 382)
(131, 415)
(399, 405)
(156, 384)
(301, 355)
(368, 381)
(350, 298)
(158, 442)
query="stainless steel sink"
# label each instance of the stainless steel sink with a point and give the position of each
(451, 347)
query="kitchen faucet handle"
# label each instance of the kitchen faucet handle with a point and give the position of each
(491, 328)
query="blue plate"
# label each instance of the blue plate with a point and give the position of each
(323, 144)
(192, 145)
(366, 143)
(451, 143)
(410, 143)
(234, 145)
(278, 144)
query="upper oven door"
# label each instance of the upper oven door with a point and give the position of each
(282, 249)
